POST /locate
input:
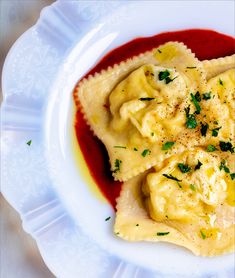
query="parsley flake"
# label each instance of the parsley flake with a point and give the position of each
(211, 148)
(203, 129)
(221, 82)
(162, 233)
(232, 176)
(191, 67)
(192, 187)
(165, 75)
(190, 119)
(198, 166)
(135, 149)
(137, 225)
(146, 98)
(203, 235)
(206, 96)
(108, 218)
(171, 177)
(180, 186)
(29, 142)
(167, 145)
(119, 147)
(195, 102)
(159, 51)
(145, 152)
(198, 96)
(224, 167)
(215, 131)
(184, 168)
(226, 146)
(168, 79)
(117, 165)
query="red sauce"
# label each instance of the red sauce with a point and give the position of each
(206, 44)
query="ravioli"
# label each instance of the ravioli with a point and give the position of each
(140, 106)
(167, 122)
(192, 209)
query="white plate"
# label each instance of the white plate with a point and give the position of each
(43, 181)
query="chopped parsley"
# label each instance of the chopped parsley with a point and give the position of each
(198, 96)
(203, 129)
(198, 166)
(193, 187)
(211, 148)
(137, 225)
(159, 51)
(167, 145)
(232, 176)
(171, 177)
(215, 122)
(190, 118)
(165, 75)
(135, 149)
(184, 168)
(180, 186)
(163, 233)
(206, 96)
(226, 146)
(117, 165)
(187, 110)
(168, 79)
(146, 98)
(145, 152)
(215, 131)
(152, 133)
(224, 167)
(195, 102)
(119, 147)
(191, 67)
(191, 121)
(203, 235)
(108, 218)
(221, 82)
(29, 142)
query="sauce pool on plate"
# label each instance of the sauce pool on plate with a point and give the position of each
(206, 44)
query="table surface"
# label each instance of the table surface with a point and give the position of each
(19, 254)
